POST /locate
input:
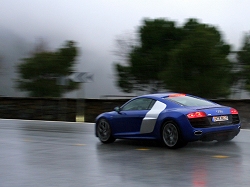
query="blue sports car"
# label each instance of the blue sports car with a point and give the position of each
(173, 118)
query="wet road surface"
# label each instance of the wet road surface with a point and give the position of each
(57, 154)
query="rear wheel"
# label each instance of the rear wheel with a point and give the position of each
(171, 135)
(104, 131)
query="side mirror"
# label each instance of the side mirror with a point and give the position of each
(117, 109)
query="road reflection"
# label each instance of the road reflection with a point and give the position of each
(148, 163)
(199, 175)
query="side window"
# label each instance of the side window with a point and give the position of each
(151, 104)
(139, 104)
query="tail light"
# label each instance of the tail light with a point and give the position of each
(233, 111)
(196, 115)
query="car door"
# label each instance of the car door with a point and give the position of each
(128, 121)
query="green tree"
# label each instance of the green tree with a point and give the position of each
(199, 64)
(191, 58)
(39, 74)
(243, 58)
(146, 60)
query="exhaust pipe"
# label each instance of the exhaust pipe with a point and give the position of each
(197, 133)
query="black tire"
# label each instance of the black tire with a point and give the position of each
(104, 131)
(171, 136)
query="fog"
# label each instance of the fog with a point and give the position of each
(14, 47)
(95, 25)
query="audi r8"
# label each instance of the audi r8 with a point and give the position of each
(172, 118)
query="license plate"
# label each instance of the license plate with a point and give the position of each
(220, 118)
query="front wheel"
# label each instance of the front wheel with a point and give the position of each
(171, 136)
(104, 131)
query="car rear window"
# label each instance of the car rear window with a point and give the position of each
(190, 101)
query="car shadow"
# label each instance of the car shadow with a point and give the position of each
(124, 144)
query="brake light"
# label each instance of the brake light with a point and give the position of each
(196, 115)
(177, 95)
(233, 111)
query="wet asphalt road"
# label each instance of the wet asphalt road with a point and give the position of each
(57, 154)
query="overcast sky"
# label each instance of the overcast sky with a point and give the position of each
(95, 24)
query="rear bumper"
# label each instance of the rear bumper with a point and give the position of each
(214, 133)
(220, 136)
